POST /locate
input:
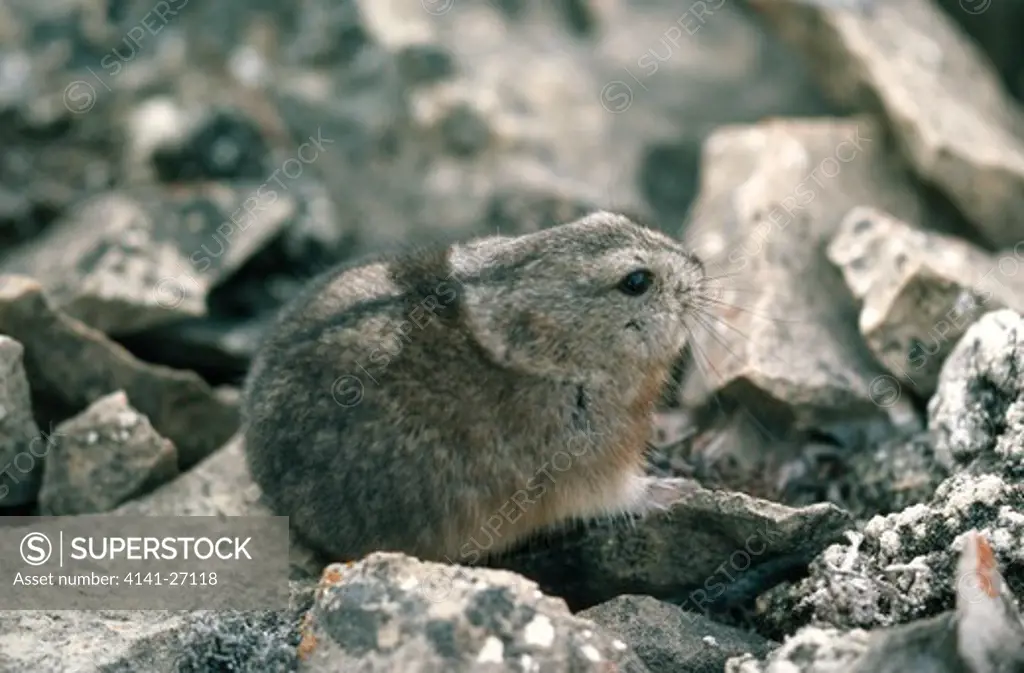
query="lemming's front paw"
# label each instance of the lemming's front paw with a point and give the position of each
(663, 492)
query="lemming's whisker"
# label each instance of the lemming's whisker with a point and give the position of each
(724, 323)
(728, 305)
(711, 279)
(749, 414)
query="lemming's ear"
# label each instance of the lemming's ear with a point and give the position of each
(470, 258)
(486, 312)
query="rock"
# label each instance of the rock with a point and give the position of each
(225, 145)
(71, 365)
(63, 91)
(901, 567)
(22, 446)
(771, 195)
(944, 105)
(126, 260)
(993, 27)
(107, 454)
(985, 634)
(919, 290)
(86, 641)
(710, 550)
(391, 612)
(893, 475)
(48, 163)
(219, 348)
(394, 85)
(218, 486)
(126, 641)
(810, 650)
(977, 414)
(668, 639)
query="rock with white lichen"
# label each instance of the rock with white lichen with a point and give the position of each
(668, 638)
(899, 568)
(978, 411)
(391, 612)
(104, 456)
(983, 634)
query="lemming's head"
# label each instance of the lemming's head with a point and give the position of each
(601, 292)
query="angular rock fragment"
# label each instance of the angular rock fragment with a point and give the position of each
(86, 641)
(525, 126)
(71, 365)
(900, 568)
(937, 91)
(994, 27)
(920, 291)
(126, 260)
(127, 641)
(391, 612)
(218, 486)
(777, 328)
(977, 414)
(219, 348)
(22, 446)
(709, 550)
(813, 649)
(984, 634)
(894, 475)
(102, 457)
(669, 639)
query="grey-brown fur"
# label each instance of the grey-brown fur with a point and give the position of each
(525, 352)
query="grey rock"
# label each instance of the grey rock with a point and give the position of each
(812, 649)
(920, 291)
(708, 550)
(391, 612)
(219, 347)
(71, 365)
(220, 145)
(126, 260)
(86, 641)
(993, 27)
(943, 103)
(984, 634)
(22, 446)
(391, 173)
(668, 639)
(218, 486)
(893, 475)
(107, 454)
(161, 641)
(63, 107)
(771, 195)
(977, 414)
(901, 567)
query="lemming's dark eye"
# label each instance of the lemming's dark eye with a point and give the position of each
(637, 282)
